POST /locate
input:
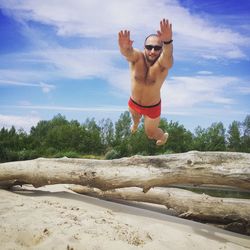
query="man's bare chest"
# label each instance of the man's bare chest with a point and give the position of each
(147, 75)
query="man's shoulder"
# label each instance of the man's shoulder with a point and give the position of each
(137, 51)
(139, 55)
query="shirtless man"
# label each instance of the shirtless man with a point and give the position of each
(148, 70)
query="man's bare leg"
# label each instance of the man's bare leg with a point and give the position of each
(136, 117)
(154, 132)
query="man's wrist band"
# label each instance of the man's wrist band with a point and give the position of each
(168, 42)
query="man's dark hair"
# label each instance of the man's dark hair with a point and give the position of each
(149, 36)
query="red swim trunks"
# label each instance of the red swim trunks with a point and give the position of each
(152, 112)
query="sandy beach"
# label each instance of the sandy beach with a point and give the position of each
(52, 217)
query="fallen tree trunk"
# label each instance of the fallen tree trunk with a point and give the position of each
(186, 204)
(233, 214)
(218, 168)
(197, 168)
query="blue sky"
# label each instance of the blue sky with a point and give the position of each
(63, 57)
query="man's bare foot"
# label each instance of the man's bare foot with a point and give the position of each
(134, 127)
(163, 140)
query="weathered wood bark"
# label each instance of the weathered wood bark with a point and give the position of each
(229, 213)
(218, 168)
(185, 203)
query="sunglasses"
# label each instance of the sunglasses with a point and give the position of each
(156, 47)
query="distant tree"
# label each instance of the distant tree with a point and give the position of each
(201, 139)
(234, 140)
(93, 140)
(11, 142)
(122, 134)
(246, 135)
(58, 137)
(138, 143)
(5, 146)
(122, 127)
(107, 133)
(77, 135)
(65, 137)
(210, 139)
(216, 137)
(180, 139)
(38, 135)
(58, 134)
(58, 120)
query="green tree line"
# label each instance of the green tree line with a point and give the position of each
(59, 137)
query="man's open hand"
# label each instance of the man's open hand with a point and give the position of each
(124, 40)
(165, 32)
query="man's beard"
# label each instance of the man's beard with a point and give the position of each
(151, 60)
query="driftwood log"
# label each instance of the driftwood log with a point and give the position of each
(229, 213)
(217, 168)
(146, 172)
(186, 204)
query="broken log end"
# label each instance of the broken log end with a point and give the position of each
(146, 189)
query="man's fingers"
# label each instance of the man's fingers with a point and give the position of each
(159, 33)
(164, 24)
(127, 33)
(124, 34)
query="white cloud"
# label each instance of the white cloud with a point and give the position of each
(120, 79)
(178, 92)
(72, 64)
(18, 75)
(65, 108)
(88, 19)
(97, 24)
(244, 90)
(191, 91)
(24, 103)
(180, 95)
(78, 63)
(15, 83)
(46, 88)
(205, 72)
(24, 122)
(193, 35)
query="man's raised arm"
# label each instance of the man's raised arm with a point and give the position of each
(165, 34)
(126, 48)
